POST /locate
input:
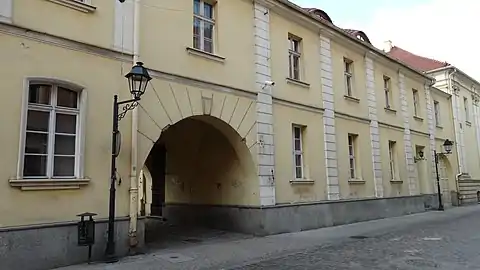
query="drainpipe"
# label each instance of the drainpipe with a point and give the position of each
(133, 164)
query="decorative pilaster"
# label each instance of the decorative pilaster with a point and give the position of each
(412, 179)
(6, 11)
(265, 145)
(331, 165)
(374, 130)
(459, 123)
(431, 132)
(476, 121)
(123, 26)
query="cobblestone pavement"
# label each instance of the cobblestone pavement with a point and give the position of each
(446, 245)
(447, 240)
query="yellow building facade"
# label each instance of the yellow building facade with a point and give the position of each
(261, 117)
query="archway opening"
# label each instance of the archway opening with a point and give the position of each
(197, 166)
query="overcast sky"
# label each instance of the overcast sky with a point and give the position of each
(439, 29)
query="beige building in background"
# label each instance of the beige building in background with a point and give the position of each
(262, 117)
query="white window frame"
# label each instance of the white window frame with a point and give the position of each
(298, 152)
(466, 108)
(416, 104)
(391, 156)
(80, 128)
(292, 54)
(348, 73)
(201, 17)
(352, 141)
(436, 110)
(387, 89)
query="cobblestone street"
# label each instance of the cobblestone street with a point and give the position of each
(447, 240)
(447, 245)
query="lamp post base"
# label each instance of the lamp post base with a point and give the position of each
(441, 208)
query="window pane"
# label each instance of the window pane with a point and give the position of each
(298, 172)
(208, 30)
(66, 98)
(296, 132)
(66, 123)
(298, 160)
(64, 166)
(297, 144)
(35, 166)
(208, 45)
(296, 67)
(207, 10)
(196, 26)
(36, 143)
(37, 120)
(64, 145)
(352, 173)
(196, 7)
(39, 94)
(352, 163)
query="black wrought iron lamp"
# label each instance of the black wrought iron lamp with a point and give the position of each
(138, 79)
(447, 149)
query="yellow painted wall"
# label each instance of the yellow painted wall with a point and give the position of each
(358, 188)
(280, 28)
(421, 142)
(287, 192)
(400, 186)
(44, 16)
(394, 115)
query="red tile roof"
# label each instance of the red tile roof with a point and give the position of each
(416, 61)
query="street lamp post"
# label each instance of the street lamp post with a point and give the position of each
(138, 79)
(447, 145)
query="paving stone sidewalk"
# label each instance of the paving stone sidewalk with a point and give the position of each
(251, 251)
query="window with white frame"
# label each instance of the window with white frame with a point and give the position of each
(348, 73)
(51, 132)
(203, 25)
(388, 91)
(465, 107)
(416, 102)
(294, 57)
(436, 108)
(298, 152)
(352, 146)
(391, 155)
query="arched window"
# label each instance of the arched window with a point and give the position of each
(51, 132)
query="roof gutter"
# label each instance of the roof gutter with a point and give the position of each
(340, 31)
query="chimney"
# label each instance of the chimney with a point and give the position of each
(387, 46)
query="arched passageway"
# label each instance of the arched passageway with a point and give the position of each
(197, 163)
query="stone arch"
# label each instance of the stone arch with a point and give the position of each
(168, 104)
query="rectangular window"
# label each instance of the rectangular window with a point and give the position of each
(203, 26)
(388, 92)
(436, 108)
(416, 103)
(298, 152)
(352, 146)
(294, 57)
(391, 155)
(467, 113)
(51, 140)
(348, 64)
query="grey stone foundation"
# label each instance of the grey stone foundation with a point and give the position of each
(296, 217)
(47, 246)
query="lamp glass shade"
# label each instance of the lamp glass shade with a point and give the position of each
(420, 154)
(447, 145)
(138, 79)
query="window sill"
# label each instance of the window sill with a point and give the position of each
(418, 118)
(395, 181)
(439, 127)
(48, 184)
(390, 110)
(356, 181)
(209, 56)
(83, 7)
(350, 98)
(468, 123)
(302, 181)
(299, 83)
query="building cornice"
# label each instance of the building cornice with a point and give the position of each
(297, 14)
(46, 38)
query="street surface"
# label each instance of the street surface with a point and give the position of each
(447, 240)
